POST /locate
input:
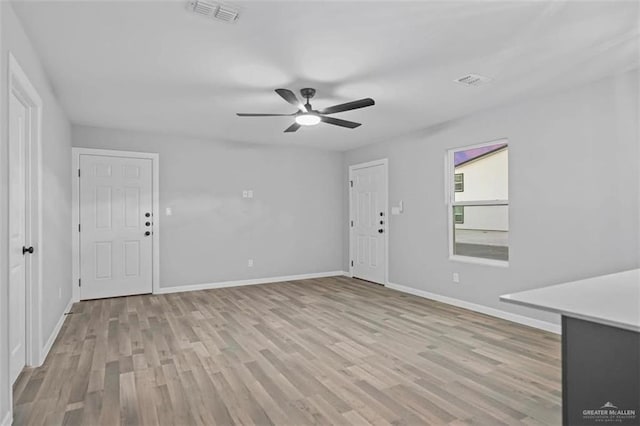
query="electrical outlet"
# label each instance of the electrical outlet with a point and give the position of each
(168, 211)
(456, 277)
(250, 263)
(245, 194)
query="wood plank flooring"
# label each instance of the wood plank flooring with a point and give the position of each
(325, 351)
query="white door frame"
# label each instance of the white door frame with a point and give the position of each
(75, 214)
(20, 85)
(385, 163)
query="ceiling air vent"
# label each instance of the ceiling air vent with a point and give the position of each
(213, 10)
(473, 80)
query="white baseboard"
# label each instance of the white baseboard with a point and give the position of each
(520, 319)
(54, 333)
(8, 419)
(253, 281)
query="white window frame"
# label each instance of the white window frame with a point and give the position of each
(451, 203)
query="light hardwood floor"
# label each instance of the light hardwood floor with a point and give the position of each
(324, 351)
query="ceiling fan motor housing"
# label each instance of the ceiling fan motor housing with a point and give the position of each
(307, 92)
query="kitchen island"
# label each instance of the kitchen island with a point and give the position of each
(600, 345)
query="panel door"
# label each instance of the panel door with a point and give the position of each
(18, 133)
(368, 204)
(116, 248)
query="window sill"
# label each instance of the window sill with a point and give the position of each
(480, 261)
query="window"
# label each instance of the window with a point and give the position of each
(458, 214)
(478, 203)
(458, 182)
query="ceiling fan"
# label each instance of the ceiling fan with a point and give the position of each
(307, 116)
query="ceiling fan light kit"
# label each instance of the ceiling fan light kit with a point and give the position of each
(307, 116)
(307, 119)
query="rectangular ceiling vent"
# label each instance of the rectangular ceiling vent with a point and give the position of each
(213, 10)
(473, 80)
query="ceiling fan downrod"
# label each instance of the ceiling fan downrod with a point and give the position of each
(308, 93)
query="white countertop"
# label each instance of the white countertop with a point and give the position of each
(612, 300)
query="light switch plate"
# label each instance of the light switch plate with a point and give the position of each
(168, 211)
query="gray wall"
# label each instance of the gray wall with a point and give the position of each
(573, 166)
(56, 192)
(291, 226)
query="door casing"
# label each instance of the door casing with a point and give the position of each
(75, 214)
(20, 85)
(384, 162)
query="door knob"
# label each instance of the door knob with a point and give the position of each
(26, 250)
(146, 234)
(380, 231)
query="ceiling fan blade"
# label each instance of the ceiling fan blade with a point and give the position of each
(339, 122)
(244, 114)
(360, 103)
(290, 97)
(294, 127)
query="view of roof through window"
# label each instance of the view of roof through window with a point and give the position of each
(473, 153)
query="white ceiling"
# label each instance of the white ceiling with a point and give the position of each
(154, 66)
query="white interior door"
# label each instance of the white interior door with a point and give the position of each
(18, 134)
(369, 222)
(116, 226)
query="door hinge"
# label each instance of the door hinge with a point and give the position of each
(79, 282)
(78, 172)
(352, 224)
(351, 183)
(78, 227)
(352, 263)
